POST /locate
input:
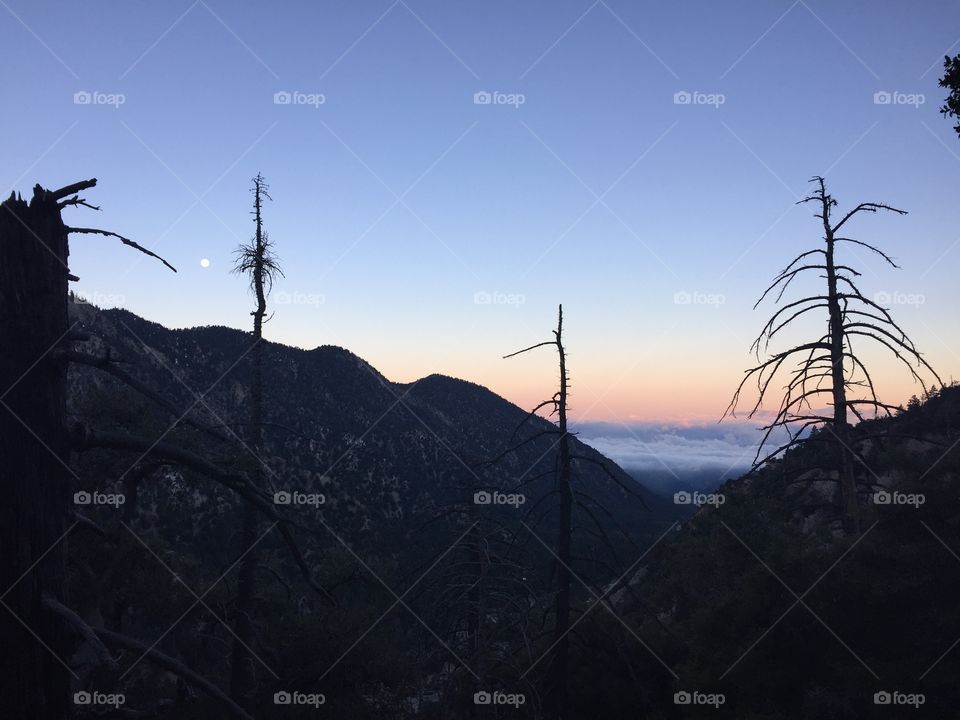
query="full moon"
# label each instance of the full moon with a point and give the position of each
(205, 262)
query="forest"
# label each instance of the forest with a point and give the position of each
(203, 523)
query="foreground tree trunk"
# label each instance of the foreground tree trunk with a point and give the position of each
(256, 260)
(554, 699)
(557, 680)
(847, 477)
(35, 505)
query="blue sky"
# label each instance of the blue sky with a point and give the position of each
(428, 233)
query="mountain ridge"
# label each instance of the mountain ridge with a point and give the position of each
(334, 421)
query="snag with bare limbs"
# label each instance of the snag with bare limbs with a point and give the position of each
(829, 368)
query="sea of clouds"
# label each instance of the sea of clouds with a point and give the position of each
(670, 456)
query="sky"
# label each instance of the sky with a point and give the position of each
(444, 174)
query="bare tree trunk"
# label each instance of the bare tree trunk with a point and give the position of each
(848, 483)
(242, 671)
(557, 679)
(850, 315)
(33, 447)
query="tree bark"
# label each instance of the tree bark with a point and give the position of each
(242, 671)
(557, 678)
(848, 483)
(33, 446)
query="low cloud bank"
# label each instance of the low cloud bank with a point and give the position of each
(678, 451)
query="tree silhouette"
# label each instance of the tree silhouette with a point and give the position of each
(951, 81)
(571, 498)
(35, 446)
(256, 260)
(827, 366)
(557, 674)
(39, 632)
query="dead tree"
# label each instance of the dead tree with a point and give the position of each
(38, 631)
(827, 368)
(570, 500)
(34, 446)
(257, 261)
(557, 673)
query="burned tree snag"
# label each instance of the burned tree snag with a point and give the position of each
(558, 669)
(557, 673)
(36, 509)
(828, 368)
(257, 261)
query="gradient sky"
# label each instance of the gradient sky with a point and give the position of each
(398, 199)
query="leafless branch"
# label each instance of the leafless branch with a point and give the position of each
(121, 238)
